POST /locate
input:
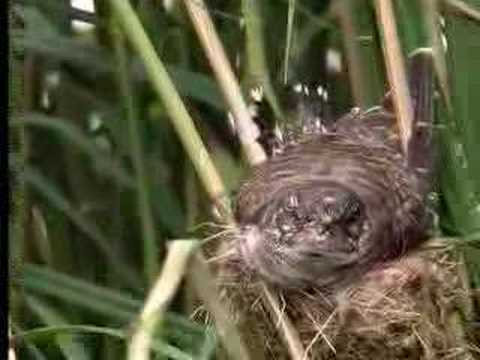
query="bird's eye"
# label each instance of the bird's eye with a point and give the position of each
(351, 208)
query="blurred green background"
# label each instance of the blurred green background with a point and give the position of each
(101, 182)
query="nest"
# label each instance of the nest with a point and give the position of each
(407, 309)
(331, 225)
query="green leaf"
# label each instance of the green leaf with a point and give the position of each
(109, 303)
(42, 38)
(38, 182)
(46, 333)
(71, 347)
(462, 174)
(41, 280)
(73, 135)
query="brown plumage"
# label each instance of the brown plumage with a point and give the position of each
(341, 199)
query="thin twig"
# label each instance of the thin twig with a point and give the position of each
(205, 287)
(256, 57)
(288, 45)
(395, 69)
(320, 333)
(288, 331)
(321, 22)
(159, 298)
(247, 130)
(431, 15)
(343, 10)
(461, 8)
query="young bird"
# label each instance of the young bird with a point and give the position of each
(336, 199)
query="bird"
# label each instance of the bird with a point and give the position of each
(336, 199)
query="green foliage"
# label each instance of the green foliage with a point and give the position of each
(462, 176)
(104, 213)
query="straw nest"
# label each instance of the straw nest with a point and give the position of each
(410, 308)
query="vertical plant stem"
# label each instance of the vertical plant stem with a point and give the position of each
(150, 247)
(358, 35)
(395, 69)
(159, 298)
(247, 130)
(255, 52)
(288, 44)
(20, 96)
(343, 10)
(431, 15)
(203, 282)
(181, 120)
